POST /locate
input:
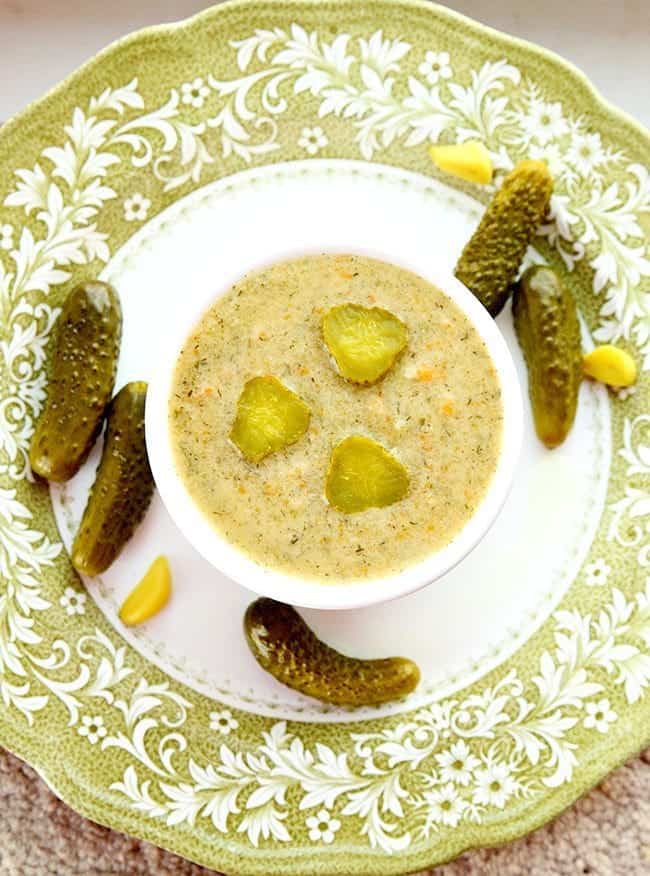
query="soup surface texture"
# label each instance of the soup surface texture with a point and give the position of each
(438, 410)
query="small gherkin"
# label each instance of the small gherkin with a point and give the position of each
(123, 485)
(284, 646)
(548, 330)
(81, 383)
(491, 259)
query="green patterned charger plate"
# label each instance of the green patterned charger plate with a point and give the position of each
(167, 165)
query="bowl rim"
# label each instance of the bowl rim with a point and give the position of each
(313, 593)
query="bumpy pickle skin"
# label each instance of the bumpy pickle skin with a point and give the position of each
(269, 418)
(548, 330)
(365, 342)
(81, 381)
(362, 474)
(123, 485)
(285, 647)
(492, 257)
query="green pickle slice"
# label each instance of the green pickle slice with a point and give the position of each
(364, 341)
(269, 417)
(363, 474)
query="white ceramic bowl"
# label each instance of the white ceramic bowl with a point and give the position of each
(346, 594)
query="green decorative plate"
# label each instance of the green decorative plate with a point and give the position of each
(169, 164)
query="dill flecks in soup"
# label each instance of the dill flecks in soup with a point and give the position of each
(436, 412)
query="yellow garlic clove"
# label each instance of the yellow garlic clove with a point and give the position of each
(610, 365)
(470, 161)
(149, 596)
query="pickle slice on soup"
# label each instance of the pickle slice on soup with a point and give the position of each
(363, 474)
(364, 341)
(269, 418)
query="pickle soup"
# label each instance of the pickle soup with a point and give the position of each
(436, 413)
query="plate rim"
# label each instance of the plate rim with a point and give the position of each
(57, 777)
(153, 30)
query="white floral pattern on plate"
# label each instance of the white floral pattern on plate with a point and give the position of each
(73, 601)
(599, 716)
(435, 67)
(6, 237)
(513, 737)
(312, 140)
(322, 827)
(92, 728)
(136, 208)
(223, 722)
(195, 93)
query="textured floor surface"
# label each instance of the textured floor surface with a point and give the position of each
(605, 834)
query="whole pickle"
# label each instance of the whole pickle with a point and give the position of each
(548, 329)
(284, 646)
(81, 382)
(491, 260)
(123, 485)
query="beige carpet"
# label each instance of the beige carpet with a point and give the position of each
(605, 834)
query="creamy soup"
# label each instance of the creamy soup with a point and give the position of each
(438, 411)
